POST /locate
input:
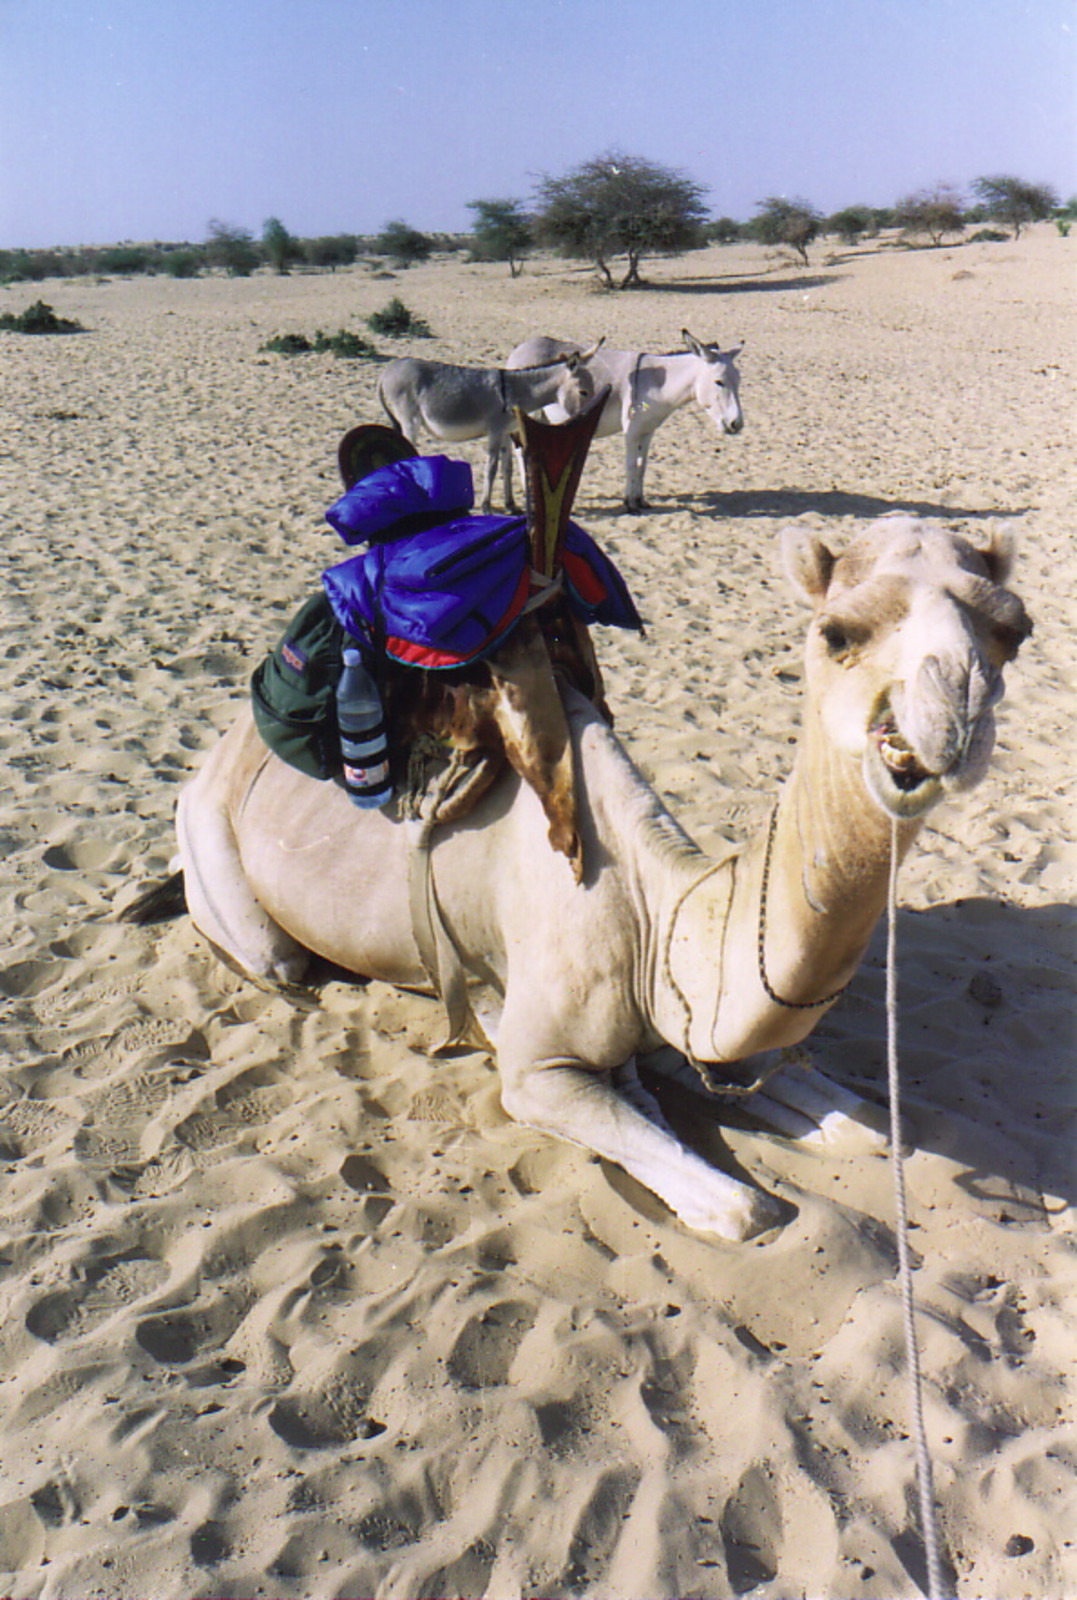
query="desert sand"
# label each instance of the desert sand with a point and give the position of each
(290, 1308)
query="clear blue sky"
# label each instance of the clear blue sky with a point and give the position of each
(144, 119)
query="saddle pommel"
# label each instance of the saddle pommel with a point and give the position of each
(554, 454)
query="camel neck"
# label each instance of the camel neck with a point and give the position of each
(808, 892)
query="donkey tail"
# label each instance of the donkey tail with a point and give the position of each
(160, 903)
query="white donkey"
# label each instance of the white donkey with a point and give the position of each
(645, 390)
(467, 402)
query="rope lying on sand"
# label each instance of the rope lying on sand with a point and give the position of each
(924, 1474)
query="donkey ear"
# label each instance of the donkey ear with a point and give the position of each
(693, 344)
(1000, 554)
(808, 564)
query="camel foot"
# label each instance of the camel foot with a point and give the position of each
(804, 1104)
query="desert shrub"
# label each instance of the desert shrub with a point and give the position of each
(30, 266)
(182, 263)
(988, 236)
(288, 344)
(396, 320)
(332, 251)
(38, 318)
(350, 346)
(124, 259)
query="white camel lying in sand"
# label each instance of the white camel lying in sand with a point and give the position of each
(457, 403)
(658, 945)
(645, 390)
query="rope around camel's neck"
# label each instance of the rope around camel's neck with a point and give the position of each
(804, 900)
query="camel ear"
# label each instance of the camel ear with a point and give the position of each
(1000, 554)
(808, 564)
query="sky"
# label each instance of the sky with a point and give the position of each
(146, 119)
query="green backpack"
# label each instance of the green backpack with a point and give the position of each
(293, 692)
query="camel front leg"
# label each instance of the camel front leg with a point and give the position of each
(579, 1104)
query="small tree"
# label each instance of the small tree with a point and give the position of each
(403, 244)
(618, 204)
(501, 232)
(232, 248)
(936, 212)
(279, 246)
(791, 222)
(850, 224)
(1015, 202)
(723, 230)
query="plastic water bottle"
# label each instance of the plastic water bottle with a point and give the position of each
(363, 744)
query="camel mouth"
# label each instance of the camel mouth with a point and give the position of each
(895, 776)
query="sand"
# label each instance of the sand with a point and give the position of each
(290, 1309)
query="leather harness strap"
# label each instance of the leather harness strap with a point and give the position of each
(439, 954)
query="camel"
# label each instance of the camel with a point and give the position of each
(658, 945)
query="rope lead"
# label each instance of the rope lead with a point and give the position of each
(924, 1474)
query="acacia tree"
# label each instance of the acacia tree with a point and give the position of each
(232, 248)
(616, 205)
(791, 222)
(936, 212)
(1015, 202)
(502, 232)
(404, 244)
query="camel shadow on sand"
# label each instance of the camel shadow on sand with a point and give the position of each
(985, 1039)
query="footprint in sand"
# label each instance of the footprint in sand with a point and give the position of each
(112, 1282)
(751, 1525)
(486, 1347)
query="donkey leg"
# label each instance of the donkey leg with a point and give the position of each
(577, 1103)
(637, 443)
(507, 452)
(219, 898)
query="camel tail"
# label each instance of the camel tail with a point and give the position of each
(160, 903)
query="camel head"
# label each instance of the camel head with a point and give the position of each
(912, 628)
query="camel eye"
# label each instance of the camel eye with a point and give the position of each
(835, 638)
(1007, 640)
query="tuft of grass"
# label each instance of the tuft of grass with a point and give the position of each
(38, 318)
(288, 344)
(396, 320)
(349, 346)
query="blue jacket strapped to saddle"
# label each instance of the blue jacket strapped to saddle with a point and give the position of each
(439, 587)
